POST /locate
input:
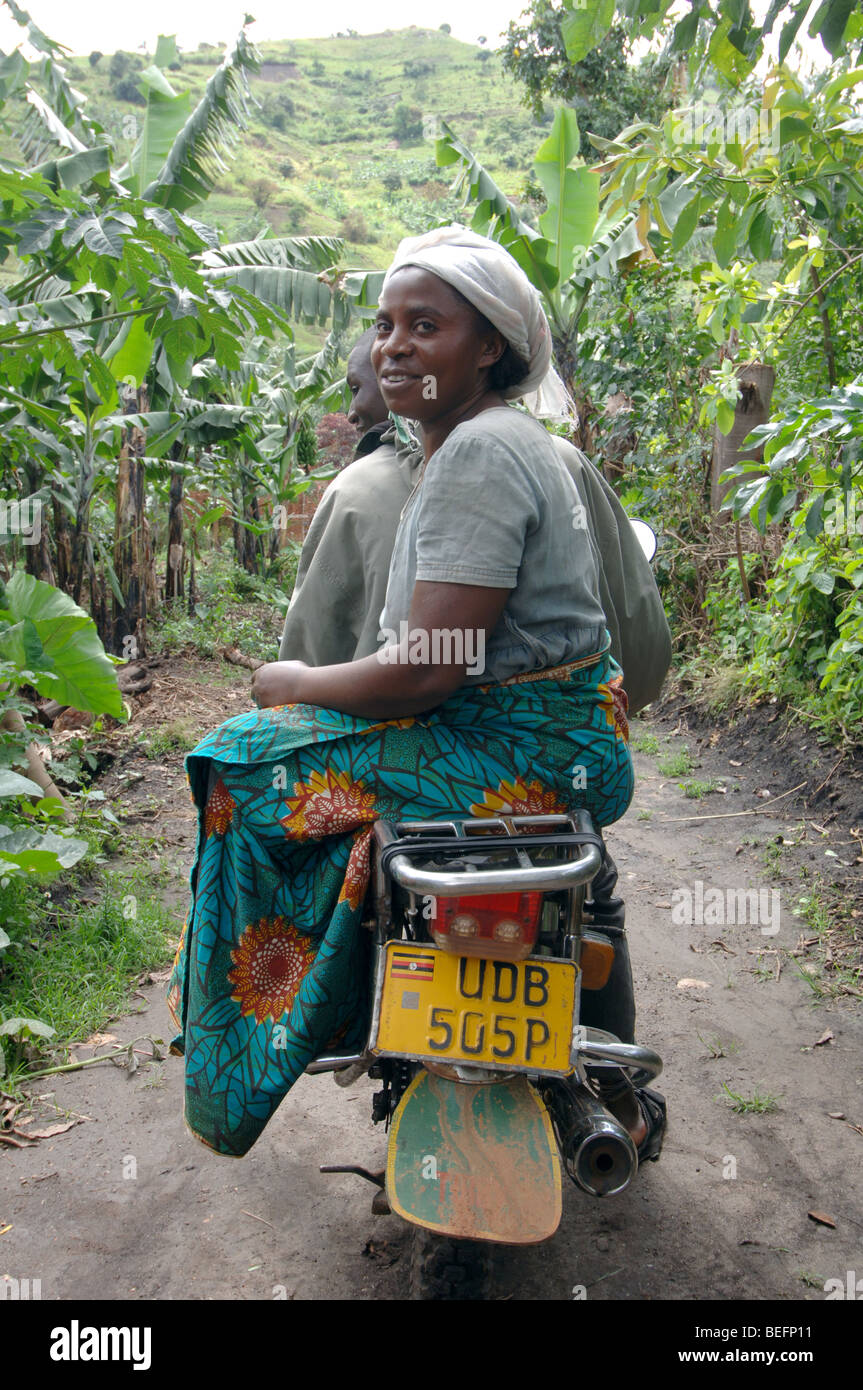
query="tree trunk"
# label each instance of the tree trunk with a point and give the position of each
(253, 540)
(176, 557)
(240, 534)
(193, 593)
(78, 548)
(37, 558)
(753, 408)
(130, 542)
(63, 545)
(98, 598)
(149, 564)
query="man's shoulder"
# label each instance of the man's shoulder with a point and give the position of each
(381, 468)
(572, 456)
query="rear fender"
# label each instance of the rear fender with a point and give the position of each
(477, 1162)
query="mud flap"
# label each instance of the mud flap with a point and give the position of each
(475, 1162)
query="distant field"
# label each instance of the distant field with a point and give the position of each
(321, 153)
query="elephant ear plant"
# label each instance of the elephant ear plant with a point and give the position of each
(49, 644)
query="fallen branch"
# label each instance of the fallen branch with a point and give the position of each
(238, 658)
(36, 769)
(827, 778)
(128, 1051)
(728, 815)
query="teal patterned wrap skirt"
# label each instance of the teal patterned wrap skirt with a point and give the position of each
(271, 966)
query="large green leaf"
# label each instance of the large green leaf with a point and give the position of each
(75, 169)
(39, 852)
(131, 352)
(167, 51)
(26, 1027)
(831, 20)
(13, 784)
(495, 215)
(572, 194)
(196, 158)
(85, 678)
(297, 293)
(584, 26)
(166, 114)
(300, 252)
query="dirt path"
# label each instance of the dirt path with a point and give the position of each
(128, 1205)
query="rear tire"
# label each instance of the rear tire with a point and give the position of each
(452, 1270)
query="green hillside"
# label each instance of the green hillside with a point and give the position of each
(342, 141)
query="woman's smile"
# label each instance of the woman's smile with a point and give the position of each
(430, 358)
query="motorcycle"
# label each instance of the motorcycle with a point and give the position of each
(482, 948)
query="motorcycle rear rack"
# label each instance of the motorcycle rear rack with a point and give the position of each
(520, 837)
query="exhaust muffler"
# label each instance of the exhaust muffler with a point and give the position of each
(598, 1153)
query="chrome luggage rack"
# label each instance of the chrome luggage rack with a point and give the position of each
(519, 845)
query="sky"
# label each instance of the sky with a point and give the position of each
(107, 25)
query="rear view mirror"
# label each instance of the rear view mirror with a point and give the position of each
(646, 536)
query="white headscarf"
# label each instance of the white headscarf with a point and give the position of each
(487, 276)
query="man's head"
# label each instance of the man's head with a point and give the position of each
(367, 404)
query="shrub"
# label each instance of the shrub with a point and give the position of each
(119, 65)
(276, 110)
(128, 90)
(355, 228)
(95, 57)
(336, 440)
(262, 191)
(407, 123)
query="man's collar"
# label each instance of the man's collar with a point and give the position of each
(372, 439)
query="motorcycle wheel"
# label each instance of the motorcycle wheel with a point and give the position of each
(448, 1270)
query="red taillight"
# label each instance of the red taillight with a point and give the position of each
(498, 926)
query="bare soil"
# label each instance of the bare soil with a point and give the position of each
(128, 1205)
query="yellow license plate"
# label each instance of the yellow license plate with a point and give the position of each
(501, 1014)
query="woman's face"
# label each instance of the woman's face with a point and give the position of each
(429, 356)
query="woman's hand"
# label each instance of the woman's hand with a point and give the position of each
(278, 683)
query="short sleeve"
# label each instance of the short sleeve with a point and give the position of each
(477, 506)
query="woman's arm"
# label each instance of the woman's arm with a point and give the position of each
(449, 625)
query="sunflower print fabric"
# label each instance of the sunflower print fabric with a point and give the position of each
(272, 967)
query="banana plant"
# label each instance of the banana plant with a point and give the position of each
(575, 246)
(724, 31)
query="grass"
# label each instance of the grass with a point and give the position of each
(678, 764)
(759, 1103)
(73, 958)
(255, 630)
(837, 966)
(716, 1047)
(814, 911)
(235, 609)
(763, 971)
(646, 743)
(773, 858)
(177, 736)
(695, 790)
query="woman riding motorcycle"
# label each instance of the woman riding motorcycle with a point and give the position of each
(268, 974)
